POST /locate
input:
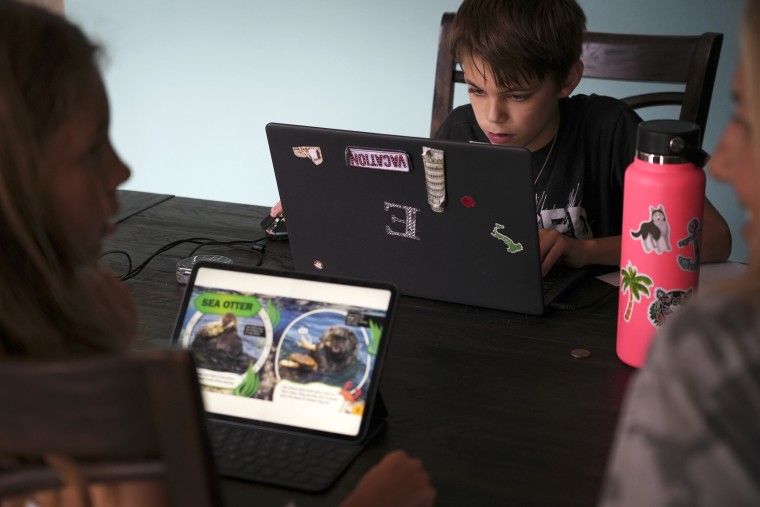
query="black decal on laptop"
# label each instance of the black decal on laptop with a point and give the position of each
(409, 222)
(387, 160)
(313, 153)
(435, 177)
(512, 247)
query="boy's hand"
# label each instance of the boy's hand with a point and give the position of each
(397, 480)
(276, 210)
(557, 248)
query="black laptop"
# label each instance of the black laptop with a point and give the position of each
(289, 365)
(444, 220)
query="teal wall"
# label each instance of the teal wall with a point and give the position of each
(194, 82)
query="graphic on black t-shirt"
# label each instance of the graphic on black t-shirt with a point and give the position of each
(569, 220)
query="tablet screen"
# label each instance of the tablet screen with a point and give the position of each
(285, 349)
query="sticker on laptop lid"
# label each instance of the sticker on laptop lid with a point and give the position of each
(386, 160)
(512, 246)
(405, 227)
(435, 177)
(467, 201)
(313, 153)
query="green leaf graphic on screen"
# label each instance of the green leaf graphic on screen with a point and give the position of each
(274, 314)
(375, 332)
(220, 303)
(249, 384)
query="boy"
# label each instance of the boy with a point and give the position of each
(521, 61)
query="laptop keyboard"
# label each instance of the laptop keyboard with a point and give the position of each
(559, 279)
(282, 459)
(553, 277)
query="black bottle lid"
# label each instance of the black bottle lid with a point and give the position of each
(670, 142)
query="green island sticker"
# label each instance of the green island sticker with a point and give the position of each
(220, 303)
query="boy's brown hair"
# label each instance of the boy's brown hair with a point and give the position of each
(520, 40)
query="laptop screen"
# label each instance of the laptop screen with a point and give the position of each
(291, 350)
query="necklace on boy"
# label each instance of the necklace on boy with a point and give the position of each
(546, 159)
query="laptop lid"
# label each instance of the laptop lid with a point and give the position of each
(288, 351)
(359, 204)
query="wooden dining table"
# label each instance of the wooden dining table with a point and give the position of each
(502, 408)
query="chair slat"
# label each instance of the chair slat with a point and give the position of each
(119, 418)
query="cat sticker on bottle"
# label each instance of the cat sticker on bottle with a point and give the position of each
(654, 234)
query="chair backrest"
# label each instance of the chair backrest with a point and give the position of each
(120, 417)
(688, 60)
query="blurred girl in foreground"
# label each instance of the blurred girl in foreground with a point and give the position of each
(690, 431)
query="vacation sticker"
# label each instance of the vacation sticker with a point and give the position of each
(386, 160)
(313, 153)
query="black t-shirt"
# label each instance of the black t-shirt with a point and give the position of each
(580, 190)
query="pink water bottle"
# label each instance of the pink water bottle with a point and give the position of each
(662, 228)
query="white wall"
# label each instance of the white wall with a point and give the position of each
(194, 82)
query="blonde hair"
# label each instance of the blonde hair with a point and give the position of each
(750, 62)
(749, 59)
(44, 306)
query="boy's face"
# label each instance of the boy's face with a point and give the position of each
(526, 116)
(82, 171)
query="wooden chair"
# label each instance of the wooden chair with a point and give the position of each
(118, 418)
(688, 60)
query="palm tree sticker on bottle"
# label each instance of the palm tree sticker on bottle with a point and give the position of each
(635, 285)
